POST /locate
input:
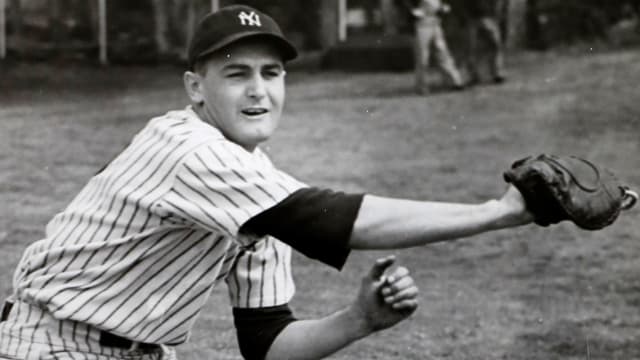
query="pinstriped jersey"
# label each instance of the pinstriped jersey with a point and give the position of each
(138, 250)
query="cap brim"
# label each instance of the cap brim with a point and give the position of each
(287, 49)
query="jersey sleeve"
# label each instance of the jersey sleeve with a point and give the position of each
(219, 186)
(316, 222)
(257, 329)
(261, 276)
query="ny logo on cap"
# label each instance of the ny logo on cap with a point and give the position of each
(251, 19)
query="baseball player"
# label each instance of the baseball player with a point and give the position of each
(126, 267)
(485, 29)
(430, 35)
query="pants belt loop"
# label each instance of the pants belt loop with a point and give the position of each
(134, 346)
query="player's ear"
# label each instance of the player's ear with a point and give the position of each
(193, 86)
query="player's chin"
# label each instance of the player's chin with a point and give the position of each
(257, 136)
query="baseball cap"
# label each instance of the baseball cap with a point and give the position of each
(232, 23)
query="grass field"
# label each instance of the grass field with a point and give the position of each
(529, 293)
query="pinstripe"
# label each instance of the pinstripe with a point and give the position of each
(139, 249)
(236, 282)
(275, 272)
(233, 154)
(91, 196)
(97, 194)
(286, 272)
(204, 183)
(184, 213)
(52, 244)
(186, 318)
(244, 179)
(257, 172)
(124, 182)
(9, 339)
(119, 214)
(212, 152)
(160, 286)
(5, 341)
(171, 314)
(206, 199)
(137, 203)
(47, 269)
(257, 186)
(147, 250)
(98, 307)
(219, 225)
(86, 340)
(49, 342)
(33, 334)
(74, 332)
(263, 266)
(78, 238)
(3, 326)
(123, 203)
(284, 179)
(64, 342)
(125, 168)
(225, 263)
(177, 337)
(234, 169)
(94, 278)
(52, 340)
(187, 271)
(18, 315)
(264, 177)
(249, 282)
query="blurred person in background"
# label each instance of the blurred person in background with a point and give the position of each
(485, 39)
(430, 41)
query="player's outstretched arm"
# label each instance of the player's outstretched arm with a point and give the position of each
(383, 301)
(386, 223)
(324, 224)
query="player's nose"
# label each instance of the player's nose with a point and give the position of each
(256, 88)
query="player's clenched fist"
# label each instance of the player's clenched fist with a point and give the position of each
(387, 295)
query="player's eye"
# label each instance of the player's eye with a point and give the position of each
(272, 73)
(235, 74)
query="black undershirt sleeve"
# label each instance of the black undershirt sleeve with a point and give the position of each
(256, 329)
(316, 222)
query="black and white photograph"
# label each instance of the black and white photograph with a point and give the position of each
(319, 179)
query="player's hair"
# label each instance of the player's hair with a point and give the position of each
(200, 67)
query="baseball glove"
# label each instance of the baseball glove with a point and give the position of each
(557, 188)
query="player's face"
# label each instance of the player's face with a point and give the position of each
(242, 89)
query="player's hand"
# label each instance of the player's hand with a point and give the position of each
(514, 208)
(387, 295)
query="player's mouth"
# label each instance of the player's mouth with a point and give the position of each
(254, 112)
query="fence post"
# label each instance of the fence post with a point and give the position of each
(3, 30)
(215, 5)
(102, 34)
(342, 20)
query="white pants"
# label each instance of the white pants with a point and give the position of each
(430, 41)
(30, 333)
